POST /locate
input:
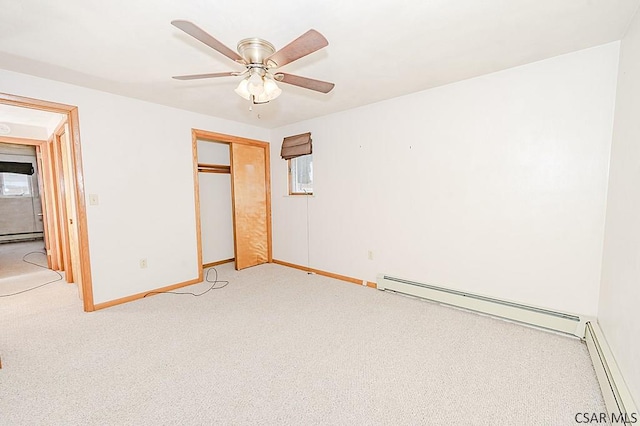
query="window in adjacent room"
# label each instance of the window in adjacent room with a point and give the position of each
(16, 185)
(301, 175)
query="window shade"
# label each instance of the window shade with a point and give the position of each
(20, 168)
(296, 146)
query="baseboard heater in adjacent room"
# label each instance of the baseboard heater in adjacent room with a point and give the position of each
(540, 317)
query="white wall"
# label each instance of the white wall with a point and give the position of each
(494, 185)
(620, 290)
(137, 158)
(216, 220)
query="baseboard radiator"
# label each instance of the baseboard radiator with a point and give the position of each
(553, 320)
(616, 395)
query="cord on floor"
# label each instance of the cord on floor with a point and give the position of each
(24, 259)
(206, 278)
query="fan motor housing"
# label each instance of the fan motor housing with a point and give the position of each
(255, 50)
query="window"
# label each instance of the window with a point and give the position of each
(14, 184)
(301, 175)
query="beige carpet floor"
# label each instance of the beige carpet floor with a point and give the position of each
(11, 254)
(278, 346)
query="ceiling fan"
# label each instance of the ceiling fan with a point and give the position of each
(260, 59)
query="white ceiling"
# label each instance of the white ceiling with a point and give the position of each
(47, 121)
(378, 49)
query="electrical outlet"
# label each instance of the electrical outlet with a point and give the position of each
(143, 263)
(370, 255)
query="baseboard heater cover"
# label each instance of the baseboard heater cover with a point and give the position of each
(553, 320)
(616, 395)
(21, 236)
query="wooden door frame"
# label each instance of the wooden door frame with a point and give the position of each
(60, 188)
(38, 144)
(51, 213)
(204, 135)
(54, 227)
(71, 112)
(40, 159)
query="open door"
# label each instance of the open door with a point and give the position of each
(250, 210)
(70, 208)
(61, 190)
(60, 163)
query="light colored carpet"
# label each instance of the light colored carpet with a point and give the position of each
(11, 254)
(278, 346)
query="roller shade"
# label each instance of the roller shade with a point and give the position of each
(296, 146)
(20, 168)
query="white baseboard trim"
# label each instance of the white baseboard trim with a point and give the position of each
(562, 322)
(617, 398)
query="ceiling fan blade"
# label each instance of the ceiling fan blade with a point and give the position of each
(199, 34)
(307, 43)
(210, 75)
(307, 83)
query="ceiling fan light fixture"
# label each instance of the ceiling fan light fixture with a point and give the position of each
(271, 89)
(256, 85)
(270, 92)
(261, 99)
(243, 89)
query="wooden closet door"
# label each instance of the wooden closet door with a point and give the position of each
(250, 210)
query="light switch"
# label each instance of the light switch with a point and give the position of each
(93, 199)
